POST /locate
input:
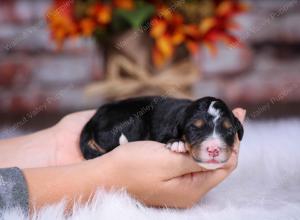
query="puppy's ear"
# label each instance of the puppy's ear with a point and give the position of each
(238, 127)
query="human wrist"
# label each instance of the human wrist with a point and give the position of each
(76, 182)
(104, 172)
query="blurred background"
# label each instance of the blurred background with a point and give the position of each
(51, 64)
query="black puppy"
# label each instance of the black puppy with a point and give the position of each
(205, 128)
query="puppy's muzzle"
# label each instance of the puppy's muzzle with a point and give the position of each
(211, 151)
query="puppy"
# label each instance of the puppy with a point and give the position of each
(205, 128)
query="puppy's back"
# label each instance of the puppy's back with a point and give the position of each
(142, 118)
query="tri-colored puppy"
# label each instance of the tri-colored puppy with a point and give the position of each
(205, 128)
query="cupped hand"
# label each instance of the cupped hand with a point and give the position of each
(66, 135)
(204, 181)
(146, 169)
(159, 177)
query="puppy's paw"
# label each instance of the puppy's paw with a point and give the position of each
(176, 146)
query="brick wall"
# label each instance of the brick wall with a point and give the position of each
(31, 67)
(32, 71)
(268, 66)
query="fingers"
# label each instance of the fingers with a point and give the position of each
(214, 177)
(156, 157)
(233, 160)
(176, 164)
(240, 114)
(180, 163)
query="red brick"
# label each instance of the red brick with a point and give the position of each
(22, 11)
(7, 12)
(275, 21)
(14, 73)
(40, 99)
(227, 62)
(267, 80)
(60, 70)
(36, 38)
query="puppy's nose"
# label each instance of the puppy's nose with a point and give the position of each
(213, 151)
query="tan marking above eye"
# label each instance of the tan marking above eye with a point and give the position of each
(227, 124)
(199, 123)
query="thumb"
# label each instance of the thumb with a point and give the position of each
(240, 114)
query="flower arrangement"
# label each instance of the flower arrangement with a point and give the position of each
(170, 24)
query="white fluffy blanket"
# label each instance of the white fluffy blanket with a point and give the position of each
(266, 185)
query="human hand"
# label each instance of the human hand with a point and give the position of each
(66, 135)
(147, 170)
(54, 146)
(208, 179)
(159, 177)
(151, 173)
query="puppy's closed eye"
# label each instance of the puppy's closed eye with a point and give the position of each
(226, 124)
(199, 123)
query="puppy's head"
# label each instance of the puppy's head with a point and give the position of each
(209, 130)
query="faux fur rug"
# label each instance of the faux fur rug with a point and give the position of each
(266, 185)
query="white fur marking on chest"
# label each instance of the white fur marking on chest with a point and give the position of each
(214, 112)
(123, 139)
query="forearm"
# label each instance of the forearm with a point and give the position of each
(52, 184)
(20, 151)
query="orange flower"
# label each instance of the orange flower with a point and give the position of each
(229, 8)
(62, 24)
(224, 8)
(102, 13)
(192, 46)
(207, 24)
(165, 45)
(177, 36)
(168, 29)
(87, 26)
(158, 28)
(157, 57)
(62, 8)
(193, 37)
(124, 4)
(167, 32)
(216, 28)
